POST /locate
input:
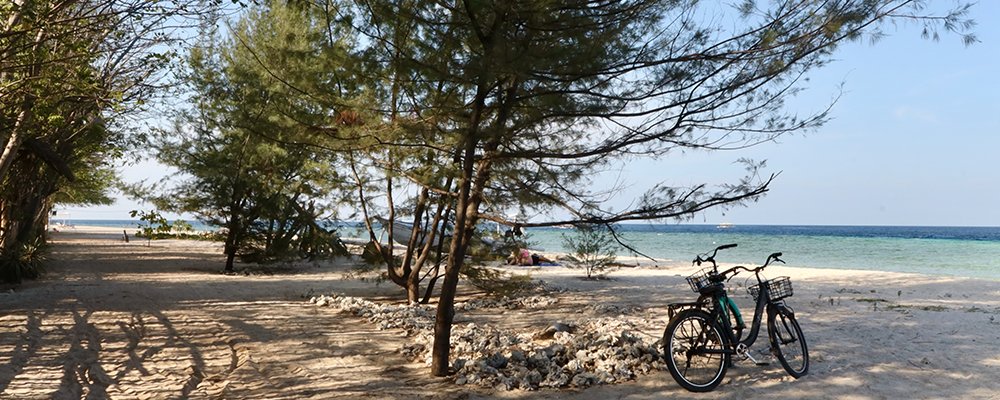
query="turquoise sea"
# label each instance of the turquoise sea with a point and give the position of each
(956, 251)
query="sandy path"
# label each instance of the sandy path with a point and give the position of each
(126, 321)
(116, 320)
(883, 336)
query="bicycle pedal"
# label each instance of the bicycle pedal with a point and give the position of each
(747, 356)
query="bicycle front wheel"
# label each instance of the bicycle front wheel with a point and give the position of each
(695, 351)
(787, 342)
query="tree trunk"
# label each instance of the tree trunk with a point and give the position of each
(469, 197)
(430, 287)
(411, 269)
(413, 290)
(25, 114)
(232, 242)
(230, 261)
(436, 232)
(16, 137)
(441, 350)
(25, 212)
(465, 214)
(13, 20)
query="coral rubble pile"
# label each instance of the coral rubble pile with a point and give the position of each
(598, 351)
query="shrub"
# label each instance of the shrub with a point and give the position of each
(23, 262)
(153, 226)
(592, 249)
(498, 283)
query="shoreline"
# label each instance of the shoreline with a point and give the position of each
(627, 261)
(711, 225)
(169, 325)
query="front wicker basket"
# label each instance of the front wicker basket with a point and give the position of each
(702, 280)
(779, 288)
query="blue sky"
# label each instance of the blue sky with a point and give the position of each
(913, 140)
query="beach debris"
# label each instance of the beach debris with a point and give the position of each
(528, 302)
(614, 309)
(924, 361)
(597, 351)
(550, 332)
(385, 316)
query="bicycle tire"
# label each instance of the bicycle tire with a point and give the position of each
(787, 342)
(695, 371)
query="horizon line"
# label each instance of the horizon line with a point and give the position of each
(730, 224)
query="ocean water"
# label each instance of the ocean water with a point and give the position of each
(122, 223)
(955, 251)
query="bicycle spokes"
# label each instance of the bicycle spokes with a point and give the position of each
(785, 333)
(702, 338)
(788, 344)
(696, 350)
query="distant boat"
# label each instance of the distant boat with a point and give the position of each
(724, 225)
(401, 234)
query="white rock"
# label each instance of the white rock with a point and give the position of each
(604, 350)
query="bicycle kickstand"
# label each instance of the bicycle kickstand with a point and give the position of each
(744, 352)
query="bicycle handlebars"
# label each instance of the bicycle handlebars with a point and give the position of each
(698, 260)
(734, 270)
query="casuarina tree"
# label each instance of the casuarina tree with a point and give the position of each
(527, 100)
(501, 107)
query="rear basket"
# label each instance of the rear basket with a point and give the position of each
(780, 288)
(701, 281)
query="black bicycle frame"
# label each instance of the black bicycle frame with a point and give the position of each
(763, 304)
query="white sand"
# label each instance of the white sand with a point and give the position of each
(124, 321)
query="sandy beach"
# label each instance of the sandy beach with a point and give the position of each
(158, 321)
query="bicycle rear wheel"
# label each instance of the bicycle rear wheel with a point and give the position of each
(695, 351)
(730, 310)
(787, 342)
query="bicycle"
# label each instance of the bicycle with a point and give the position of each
(702, 337)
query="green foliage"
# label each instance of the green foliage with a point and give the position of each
(23, 262)
(493, 106)
(313, 244)
(498, 283)
(74, 77)
(592, 249)
(182, 226)
(245, 147)
(371, 255)
(92, 186)
(155, 226)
